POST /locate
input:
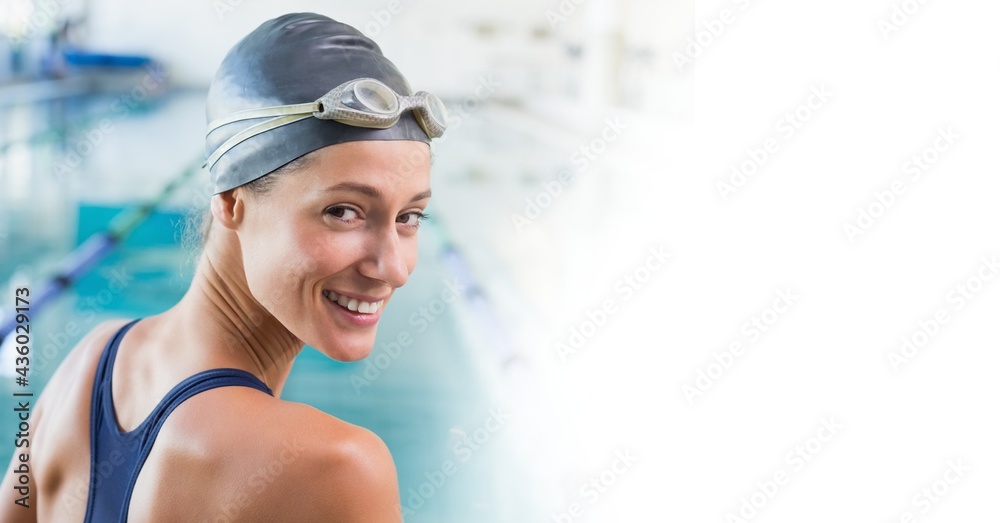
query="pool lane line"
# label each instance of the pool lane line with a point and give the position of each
(85, 256)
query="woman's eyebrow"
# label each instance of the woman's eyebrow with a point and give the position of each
(371, 191)
(421, 195)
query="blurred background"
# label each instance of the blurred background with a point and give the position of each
(545, 195)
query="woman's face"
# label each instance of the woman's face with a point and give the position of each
(338, 234)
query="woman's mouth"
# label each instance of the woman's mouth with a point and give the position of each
(353, 304)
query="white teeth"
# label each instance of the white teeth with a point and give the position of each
(353, 304)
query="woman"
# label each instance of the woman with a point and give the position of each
(320, 182)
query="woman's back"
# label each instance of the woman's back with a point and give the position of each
(232, 453)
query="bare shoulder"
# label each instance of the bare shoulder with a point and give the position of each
(347, 470)
(251, 457)
(69, 388)
(63, 409)
(81, 361)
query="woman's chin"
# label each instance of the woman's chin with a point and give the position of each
(346, 353)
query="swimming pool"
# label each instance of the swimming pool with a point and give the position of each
(435, 401)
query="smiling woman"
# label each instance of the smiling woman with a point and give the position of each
(318, 153)
(345, 224)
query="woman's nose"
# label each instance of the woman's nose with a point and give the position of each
(386, 259)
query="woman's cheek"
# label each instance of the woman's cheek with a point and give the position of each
(410, 253)
(263, 285)
(336, 251)
(274, 269)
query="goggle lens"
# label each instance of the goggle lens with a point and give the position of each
(435, 107)
(376, 97)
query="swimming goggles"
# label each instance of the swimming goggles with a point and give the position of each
(363, 102)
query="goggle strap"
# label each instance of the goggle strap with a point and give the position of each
(249, 114)
(252, 131)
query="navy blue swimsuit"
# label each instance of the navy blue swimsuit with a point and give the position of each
(116, 457)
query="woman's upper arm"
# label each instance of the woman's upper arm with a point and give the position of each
(55, 391)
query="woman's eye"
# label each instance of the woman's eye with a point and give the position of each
(342, 213)
(412, 219)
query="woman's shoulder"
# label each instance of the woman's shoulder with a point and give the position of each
(333, 451)
(76, 370)
(277, 460)
(95, 340)
(348, 468)
(225, 413)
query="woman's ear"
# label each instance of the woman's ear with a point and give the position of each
(227, 209)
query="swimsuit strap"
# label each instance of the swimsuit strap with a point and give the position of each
(133, 447)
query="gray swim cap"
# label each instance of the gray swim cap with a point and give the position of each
(294, 59)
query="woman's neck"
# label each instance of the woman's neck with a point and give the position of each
(231, 328)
